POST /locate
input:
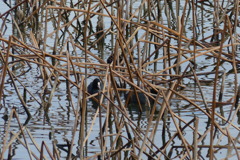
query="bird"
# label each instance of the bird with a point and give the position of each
(133, 98)
(94, 86)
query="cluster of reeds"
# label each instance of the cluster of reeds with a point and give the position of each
(152, 51)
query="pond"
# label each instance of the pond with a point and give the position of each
(181, 56)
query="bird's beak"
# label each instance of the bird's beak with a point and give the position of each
(99, 86)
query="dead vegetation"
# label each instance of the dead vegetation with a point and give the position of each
(154, 47)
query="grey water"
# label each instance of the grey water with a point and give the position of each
(56, 125)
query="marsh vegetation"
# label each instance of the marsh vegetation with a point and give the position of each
(168, 73)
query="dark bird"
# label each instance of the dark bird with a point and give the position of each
(94, 86)
(133, 98)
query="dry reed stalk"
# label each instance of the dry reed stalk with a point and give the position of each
(176, 125)
(24, 137)
(54, 87)
(153, 109)
(18, 28)
(101, 37)
(84, 100)
(190, 58)
(234, 66)
(234, 146)
(49, 65)
(200, 89)
(55, 151)
(114, 86)
(145, 49)
(221, 94)
(128, 72)
(102, 140)
(77, 114)
(12, 8)
(177, 34)
(19, 96)
(160, 117)
(24, 145)
(69, 62)
(34, 142)
(106, 122)
(208, 50)
(75, 18)
(117, 138)
(129, 118)
(118, 123)
(123, 39)
(156, 50)
(211, 152)
(230, 123)
(43, 145)
(82, 120)
(162, 114)
(61, 69)
(216, 124)
(45, 30)
(4, 71)
(180, 30)
(195, 138)
(194, 31)
(14, 137)
(207, 146)
(35, 12)
(164, 147)
(93, 55)
(133, 84)
(233, 143)
(4, 146)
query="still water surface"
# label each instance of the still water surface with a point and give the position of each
(58, 124)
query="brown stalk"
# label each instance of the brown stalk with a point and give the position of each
(49, 65)
(43, 145)
(4, 147)
(22, 131)
(17, 5)
(4, 71)
(24, 145)
(176, 125)
(214, 95)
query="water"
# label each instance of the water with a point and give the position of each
(55, 124)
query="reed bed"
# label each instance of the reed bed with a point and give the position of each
(157, 48)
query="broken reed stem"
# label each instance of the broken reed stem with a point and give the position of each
(195, 139)
(77, 117)
(4, 147)
(149, 125)
(24, 137)
(233, 142)
(34, 142)
(4, 71)
(48, 150)
(84, 100)
(221, 94)
(200, 89)
(211, 152)
(176, 125)
(132, 69)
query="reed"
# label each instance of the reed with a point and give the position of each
(155, 48)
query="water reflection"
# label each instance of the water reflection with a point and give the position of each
(54, 97)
